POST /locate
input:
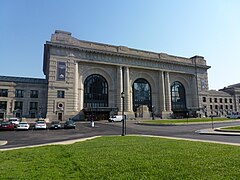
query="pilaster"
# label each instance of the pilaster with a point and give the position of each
(76, 80)
(119, 88)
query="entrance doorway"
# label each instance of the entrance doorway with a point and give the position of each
(2, 116)
(60, 116)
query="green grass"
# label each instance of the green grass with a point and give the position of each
(192, 120)
(123, 158)
(232, 128)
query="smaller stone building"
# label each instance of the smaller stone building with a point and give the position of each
(220, 103)
(22, 97)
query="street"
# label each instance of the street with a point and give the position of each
(84, 130)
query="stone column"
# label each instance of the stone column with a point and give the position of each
(162, 92)
(126, 89)
(119, 87)
(167, 92)
(81, 93)
(76, 99)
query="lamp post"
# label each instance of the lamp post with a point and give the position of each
(123, 117)
(153, 111)
(212, 119)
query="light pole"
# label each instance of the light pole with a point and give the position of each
(212, 119)
(123, 117)
(153, 111)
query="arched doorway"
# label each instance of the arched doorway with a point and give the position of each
(178, 99)
(141, 94)
(96, 97)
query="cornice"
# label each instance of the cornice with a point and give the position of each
(124, 55)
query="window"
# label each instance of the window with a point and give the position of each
(204, 99)
(221, 106)
(33, 106)
(18, 105)
(210, 100)
(60, 94)
(226, 106)
(19, 93)
(231, 106)
(216, 106)
(215, 100)
(34, 94)
(3, 105)
(141, 94)
(226, 100)
(95, 91)
(211, 107)
(220, 100)
(3, 92)
(230, 100)
(178, 96)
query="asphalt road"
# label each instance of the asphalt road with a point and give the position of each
(84, 130)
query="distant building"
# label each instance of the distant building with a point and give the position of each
(22, 97)
(86, 80)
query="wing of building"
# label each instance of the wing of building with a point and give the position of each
(86, 80)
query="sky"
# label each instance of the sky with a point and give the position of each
(209, 28)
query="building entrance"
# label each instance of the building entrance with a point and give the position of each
(100, 113)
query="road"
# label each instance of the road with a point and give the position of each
(84, 130)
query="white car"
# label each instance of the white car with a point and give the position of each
(23, 126)
(40, 125)
(116, 118)
(14, 121)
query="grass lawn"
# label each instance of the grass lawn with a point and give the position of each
(192, 120)
(232, 128)
(128, 157)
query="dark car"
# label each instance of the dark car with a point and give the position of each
(55, 125)
(7, 125)
(70, 124)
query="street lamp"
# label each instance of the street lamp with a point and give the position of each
(153, 111)
(123, 117)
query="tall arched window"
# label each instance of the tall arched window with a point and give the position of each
(141, 94)
(178, 96)
(95, 91)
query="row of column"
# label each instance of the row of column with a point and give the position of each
(123, 85)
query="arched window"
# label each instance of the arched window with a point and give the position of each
(141, 94)
(178, 96)
(95, 91)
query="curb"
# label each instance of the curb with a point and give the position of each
(217, 131)
(67, 142)
(3, 143)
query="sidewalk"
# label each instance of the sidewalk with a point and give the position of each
(217, 131)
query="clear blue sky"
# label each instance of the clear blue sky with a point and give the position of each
(210, 28)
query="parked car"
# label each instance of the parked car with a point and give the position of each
(233, 115)
(69, 124)
(15, 121)
(23, 126)
(115, 118)
(40, 125)
(7, 125)
(55, 125)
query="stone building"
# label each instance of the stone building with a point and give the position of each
(22, 97)
(222, 102)
(86, 80)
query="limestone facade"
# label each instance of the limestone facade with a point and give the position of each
(69, 63)
(120, 67)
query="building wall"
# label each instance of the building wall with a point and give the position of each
(84, 58)
(11, 99)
